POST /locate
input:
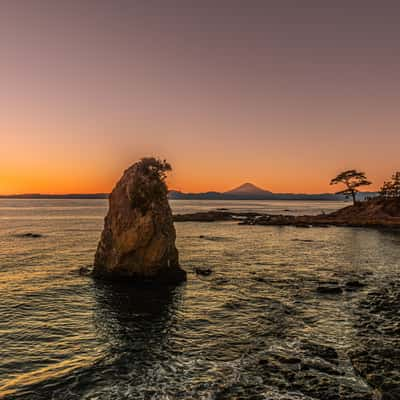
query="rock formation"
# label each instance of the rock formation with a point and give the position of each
(138, 239)
(374, 213)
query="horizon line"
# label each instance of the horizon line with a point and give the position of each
(170, 190)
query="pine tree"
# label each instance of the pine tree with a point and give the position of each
(352, 179)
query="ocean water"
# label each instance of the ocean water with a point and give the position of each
(65, 336)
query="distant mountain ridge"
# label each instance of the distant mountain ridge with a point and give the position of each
(249, 191)
(246, 191)
(176, 195)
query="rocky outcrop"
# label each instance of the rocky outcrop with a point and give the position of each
(214, 216)
(374, 213)
(376, 356)
(138, 239)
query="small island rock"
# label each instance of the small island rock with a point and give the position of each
(138, 239)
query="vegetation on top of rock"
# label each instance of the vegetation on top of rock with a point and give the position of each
(352, 179)
(150, 186)
(391, 188)
(154, 167)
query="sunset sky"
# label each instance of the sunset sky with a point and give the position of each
(284, 94)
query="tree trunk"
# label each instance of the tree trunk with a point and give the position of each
(353, 195)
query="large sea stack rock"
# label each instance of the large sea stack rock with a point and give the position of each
(138, 240)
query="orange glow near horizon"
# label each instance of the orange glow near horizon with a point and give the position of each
(91, 163)
(217, 157)
(64, 181)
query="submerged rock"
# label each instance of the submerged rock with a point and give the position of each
(29, 235)
(329, 289)
(85, 271)
(138, 239)
(376, 356)
(208, 216)
(216, 215)
(203, 271)
(260, 279)
(311, 371)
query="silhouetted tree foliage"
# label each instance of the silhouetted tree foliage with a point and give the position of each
(352, 179)
(391, 189)
(151, 186)
(154, 168)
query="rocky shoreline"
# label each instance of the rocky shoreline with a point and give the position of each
(215, 216)
(313, 369)
(377, 358)
(375, 213)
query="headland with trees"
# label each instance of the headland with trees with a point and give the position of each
(382, 210)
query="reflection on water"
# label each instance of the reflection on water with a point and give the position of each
(256, 326)
(136, 317)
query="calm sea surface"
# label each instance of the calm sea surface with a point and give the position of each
(64, 336)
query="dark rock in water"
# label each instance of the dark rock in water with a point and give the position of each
(85, 271)
(260, 279)
(214, 238)
(214, 216)
(313, 372)
(329, 289)
(208, 216)
(203, 271)
(377, 355)
(138, 239)
(29, 235)
(287, 359)
(354, 285)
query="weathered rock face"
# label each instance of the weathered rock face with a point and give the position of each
(138, 240)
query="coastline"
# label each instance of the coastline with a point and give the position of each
(374, 213)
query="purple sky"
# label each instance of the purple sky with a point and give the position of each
(281, 93)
